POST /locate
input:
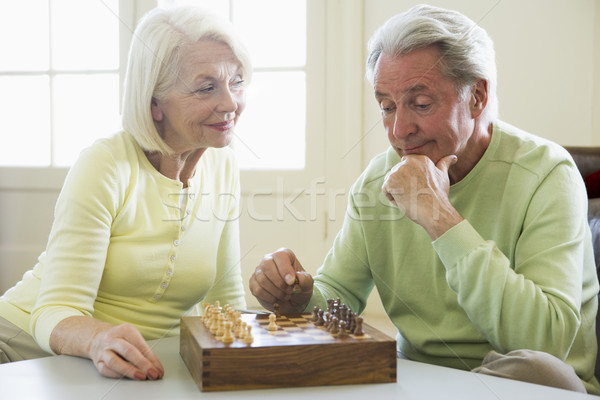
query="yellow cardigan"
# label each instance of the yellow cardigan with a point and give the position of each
(131, 245)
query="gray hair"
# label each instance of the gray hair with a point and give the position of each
(154, 64)
(467, 50)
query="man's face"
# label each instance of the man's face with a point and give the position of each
(421, 109)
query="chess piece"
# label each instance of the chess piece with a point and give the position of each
(248, 339)
(276, 309)
(237, 330)
(272, 325)
(214, 324)
(358, 331)
(342, 332)
(227, 336)
(321, 320)
(221, 326)
(236, 318)
(327, 319)
(242, 331)
(330, 304)
(334, 327)
(229, 314)
(297, 287)
(335, 312)
(344, 312)
(207, 314)
(315, 314)
(218, 307)
(351, 322)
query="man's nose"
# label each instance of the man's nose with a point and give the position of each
(404, 125)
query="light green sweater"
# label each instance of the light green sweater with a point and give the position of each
(517, 273)
(129, 245)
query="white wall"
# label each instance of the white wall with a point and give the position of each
(547, 54)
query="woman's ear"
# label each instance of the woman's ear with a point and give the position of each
(157, 113)
(479, 98)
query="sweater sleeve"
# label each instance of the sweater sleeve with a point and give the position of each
(532, 299)
(78, 243)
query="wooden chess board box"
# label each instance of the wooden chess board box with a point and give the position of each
(298, 353)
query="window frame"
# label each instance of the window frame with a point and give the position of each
(253, 180)
(52, 177)
(334, 114)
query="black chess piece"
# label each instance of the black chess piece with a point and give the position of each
(358, 330)
(342, 332)
(315, 314)
(320, 321)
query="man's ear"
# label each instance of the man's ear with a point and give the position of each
(157, 113)
(479, 97)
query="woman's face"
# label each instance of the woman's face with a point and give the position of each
(202, 107)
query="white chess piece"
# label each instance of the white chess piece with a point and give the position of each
(248, 339)
(227, 336)
(272, 325)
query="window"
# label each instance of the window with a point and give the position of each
(271, 132)
(59, 79)
(59, 97)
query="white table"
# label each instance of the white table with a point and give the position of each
(65, 378)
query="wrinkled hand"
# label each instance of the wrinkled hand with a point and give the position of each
(420, 189)
(121, 350)
(273, 282)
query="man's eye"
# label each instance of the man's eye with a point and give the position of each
(386, 108)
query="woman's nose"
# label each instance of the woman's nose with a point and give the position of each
(228, 102)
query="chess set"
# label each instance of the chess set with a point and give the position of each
(229, 350)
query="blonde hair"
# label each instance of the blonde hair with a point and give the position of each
(153, 64)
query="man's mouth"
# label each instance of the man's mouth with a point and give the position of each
(413, 149)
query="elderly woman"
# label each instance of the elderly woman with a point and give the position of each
(146, 224)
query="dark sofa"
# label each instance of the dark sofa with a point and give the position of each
(588, 162)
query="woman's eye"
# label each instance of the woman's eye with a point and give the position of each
(237, 83)
(204, 90)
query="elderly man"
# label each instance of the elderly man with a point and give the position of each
(474, 232)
